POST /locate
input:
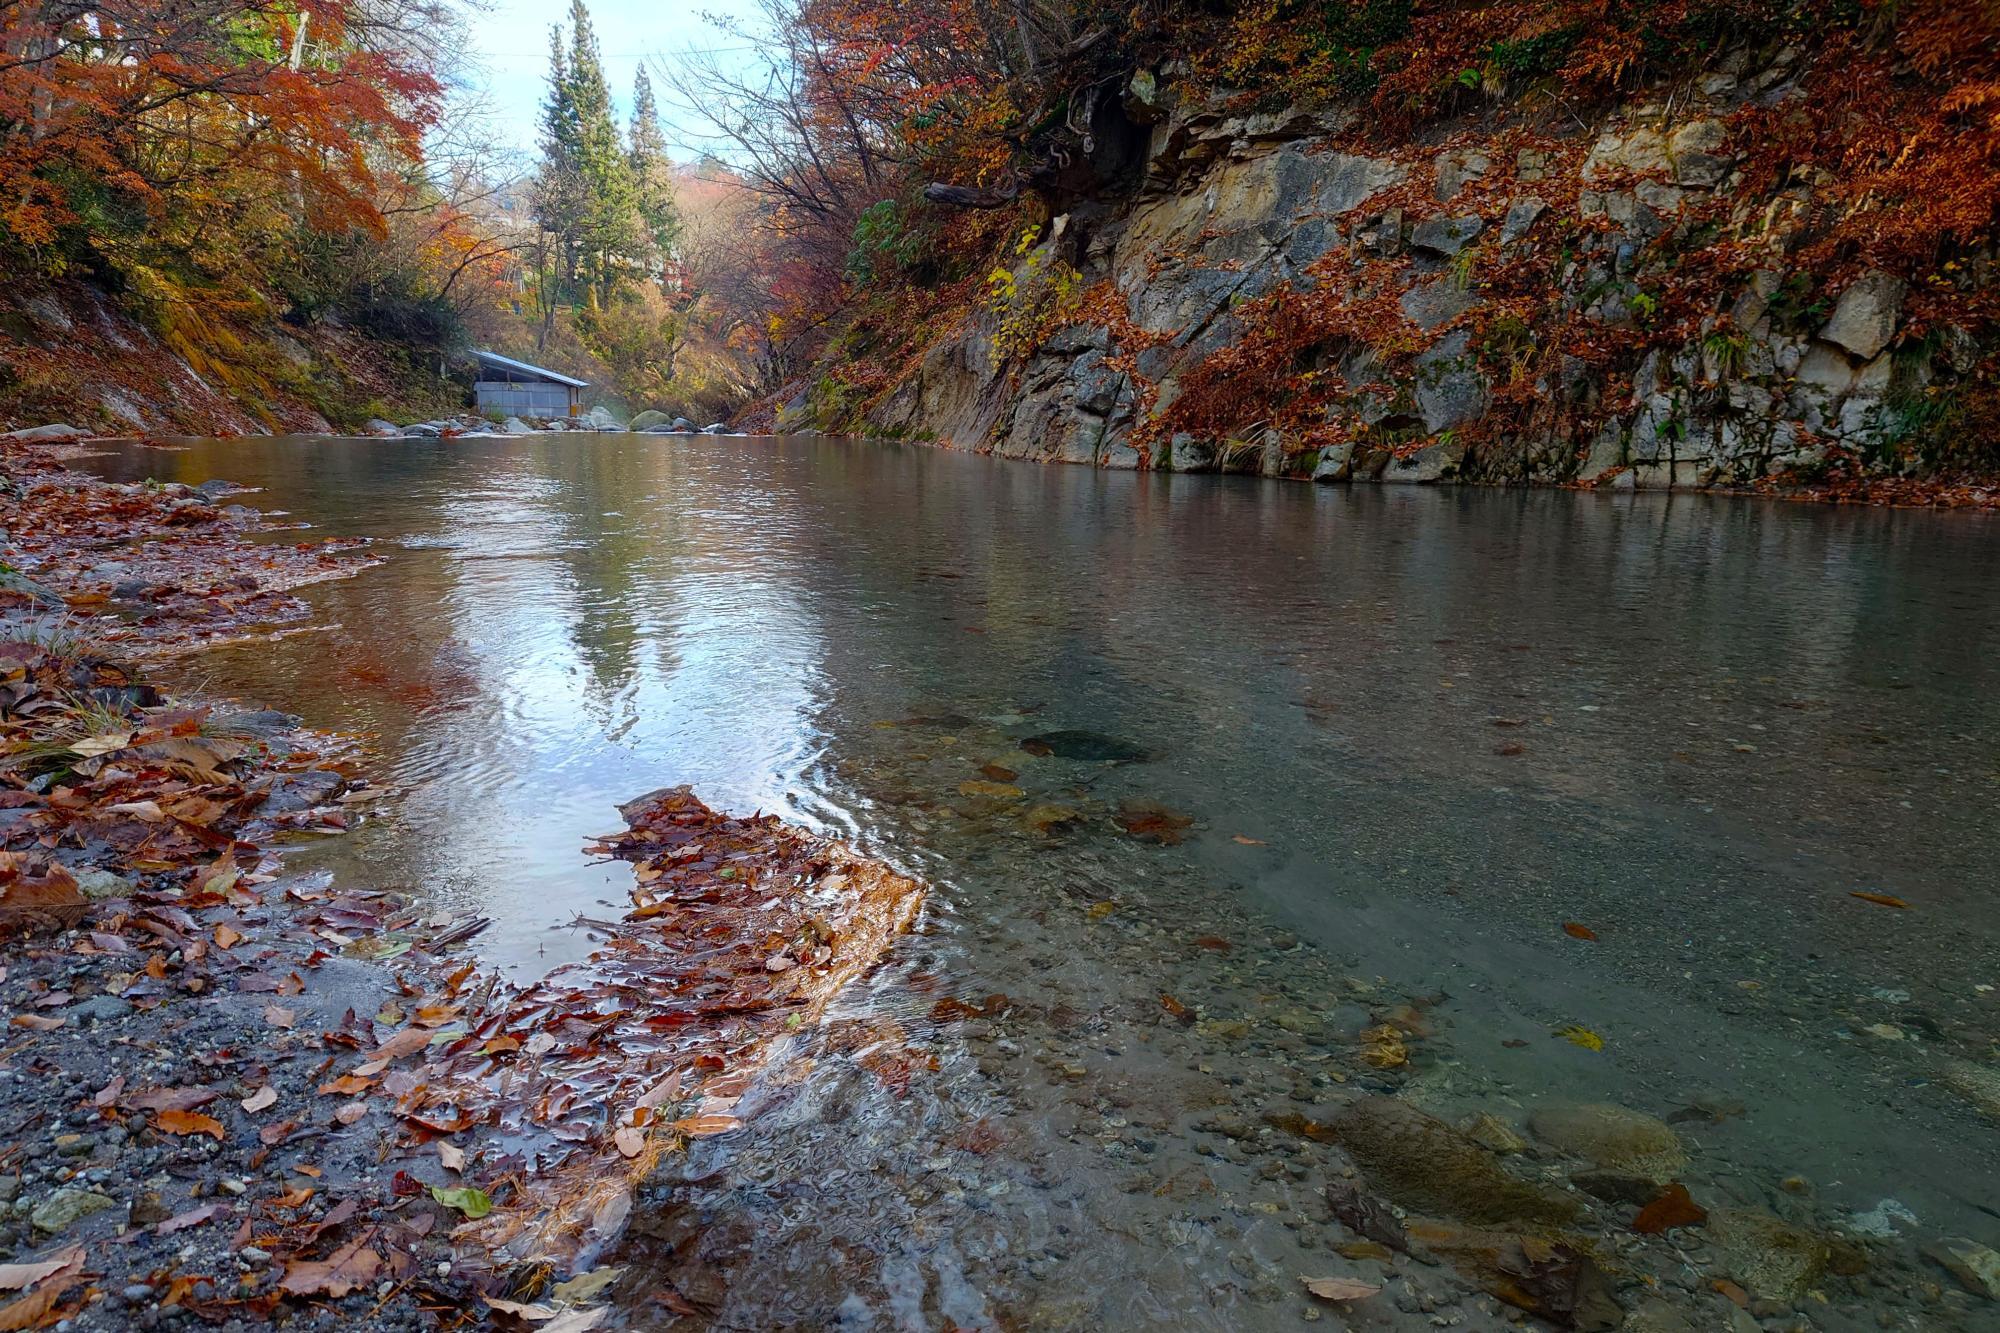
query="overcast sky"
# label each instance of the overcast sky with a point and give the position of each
(511, 49)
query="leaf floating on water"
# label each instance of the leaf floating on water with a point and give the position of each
(1578, 1035)
(1098, 911)
(1673, 1208)
(1340, 1288)
(466, 1198)
(1880, 900)
(1248, 842)
(1578, 931)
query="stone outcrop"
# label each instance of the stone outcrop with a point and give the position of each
(1440, 377)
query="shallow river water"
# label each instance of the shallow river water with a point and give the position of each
(1431, 741)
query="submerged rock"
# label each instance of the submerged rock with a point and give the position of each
(1086, 745)
(1611, 1136)
(1423, 1163)
(1767, 1254)
(1976, 1267)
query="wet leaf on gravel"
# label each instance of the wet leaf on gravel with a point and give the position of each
(466, 1198)
(193, 1217)
(227, 936)
(1577, 1035)
(14, 1277)
(280, 1018)
(260, 1099)
(534, 1314)
(586, 1286)
(1340, 1288)
(188, 1122)
(1880, 899)
(349, 1268)
(1673, 1208)
(576, 1321)
(451, 1157)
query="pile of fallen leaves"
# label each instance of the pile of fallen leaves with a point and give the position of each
(161, 568)
(741, 930)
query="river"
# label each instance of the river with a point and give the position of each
(1522, 771)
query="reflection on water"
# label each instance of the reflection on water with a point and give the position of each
(1420, 731)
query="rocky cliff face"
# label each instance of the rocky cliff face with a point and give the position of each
(1510, 301)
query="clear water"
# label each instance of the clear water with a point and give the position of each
(1419, 730)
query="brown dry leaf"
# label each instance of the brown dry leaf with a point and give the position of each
(188, 1122)
(14, 1277)
(500, 1046)
(630, 1142)
(1578, 931)
(348, 1269)
(1673, 1208)
(347, 1085)
(193, 1217)
(38, 1022)
(280, 1018)
(146, 811)
(1881, 900)
(227, 937)
(1340, 1288)
(576, 1321)
(407, 1042)
(1248, 842)
(261, 1099)
(92, 746)
(534, 1314)
(451, 1156)
(57, 888)
(351, 1112)
(704, 1126)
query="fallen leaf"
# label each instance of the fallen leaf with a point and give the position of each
(1881, 900)
(1248, 842)
(586, 1286)
(468, 1200)
(1577, 930)
(351, 1112)
(38, 1022)
(92, 746)
(706, 1126)
(227, 937)
(1339, 1288)
(15, 1277)
(576, 1321)
(188, 1122)
(1581, 1036)
(451, 1156)
(630, 1142)
(1149, 821)
(1673, 1208)
(193, 1217)
(1098, 911)
(280, 1018)
(348, 1269)
(532, 1313)
(260, 1099)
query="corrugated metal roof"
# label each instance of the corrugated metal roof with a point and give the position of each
(522, 366)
